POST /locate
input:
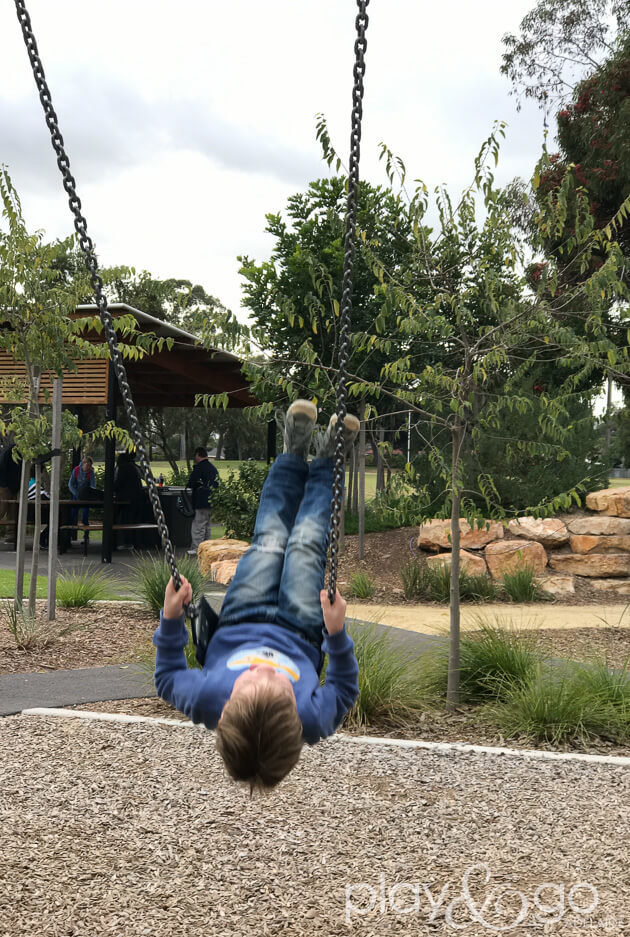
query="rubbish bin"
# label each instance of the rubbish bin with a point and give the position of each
(178, 525)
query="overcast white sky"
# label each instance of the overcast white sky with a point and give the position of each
(186, 122)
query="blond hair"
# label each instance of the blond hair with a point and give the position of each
(259, 738)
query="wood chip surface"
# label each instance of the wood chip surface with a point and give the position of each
(134, 830)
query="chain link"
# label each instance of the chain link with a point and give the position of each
(87, 246)
(360, 47)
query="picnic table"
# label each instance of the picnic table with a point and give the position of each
(66, 526)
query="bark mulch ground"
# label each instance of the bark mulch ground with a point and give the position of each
(134, 829)
(117, 633)
(105, 634)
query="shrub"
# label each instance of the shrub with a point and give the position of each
(573, 703)
(178, 478)
(521, 585)
(80, 589)
(493, 661)
(391, 683)
(433, 583)
(151, 575)
(399, 504)
(373, 523)
(362, 586)
(35, 633)
(413, 576)
(235, 501)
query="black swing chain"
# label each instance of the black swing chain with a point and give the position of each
(87, 246)
(360, 47)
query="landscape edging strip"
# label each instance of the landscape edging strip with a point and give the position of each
(444, 747)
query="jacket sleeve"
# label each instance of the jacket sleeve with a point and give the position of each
(174, 682)
(72, 483)
(214, 476)
(194, 478)
(338, 694)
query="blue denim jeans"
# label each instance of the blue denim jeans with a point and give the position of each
(280, 577)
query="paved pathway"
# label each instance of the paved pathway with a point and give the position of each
(428, 619)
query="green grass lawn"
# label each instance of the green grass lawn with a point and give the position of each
(7, 584)
(225, 466)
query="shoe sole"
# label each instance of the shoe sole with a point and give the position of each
(304, 407)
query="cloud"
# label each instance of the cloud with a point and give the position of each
(109, 127)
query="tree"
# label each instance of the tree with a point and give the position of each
(495, 335)
(37, 301)
(294, 297)
(561, 41)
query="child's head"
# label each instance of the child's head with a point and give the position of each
(259, 735)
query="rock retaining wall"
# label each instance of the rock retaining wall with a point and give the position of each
(594, 547)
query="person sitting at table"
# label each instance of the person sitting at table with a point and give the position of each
(129, 490)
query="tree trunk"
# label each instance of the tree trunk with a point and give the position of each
(452, 691)
(20, 549)
(220, 445)
(361, 474)
(380, 465)
(53, 511)
(349, 489)
(33, 373)
(32, 595)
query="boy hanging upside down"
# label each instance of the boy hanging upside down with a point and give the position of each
(259, 686)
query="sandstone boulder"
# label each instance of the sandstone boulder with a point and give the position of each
(592, 564)
(612, 501)
(212, 551)
(472, 564)
(436, 535)
(612, 585)
(600, 526)
(583, 543)
(549, 531)
(557, 585)
(223, 571)
(509, 555)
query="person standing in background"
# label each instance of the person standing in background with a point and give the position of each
(10, 474)
(82, 476)
(128, 490)
(203, 478)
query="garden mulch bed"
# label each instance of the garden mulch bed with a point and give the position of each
(388, 550)
(121, 634)
(106, 634)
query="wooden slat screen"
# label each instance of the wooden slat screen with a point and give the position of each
(86, 385)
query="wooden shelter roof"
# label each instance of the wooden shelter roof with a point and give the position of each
(168, 378)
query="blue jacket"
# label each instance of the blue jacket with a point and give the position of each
(79, 478)
(202, 694)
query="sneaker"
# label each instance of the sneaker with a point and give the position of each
(191, 552)
(299, 424)
(326, 444)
